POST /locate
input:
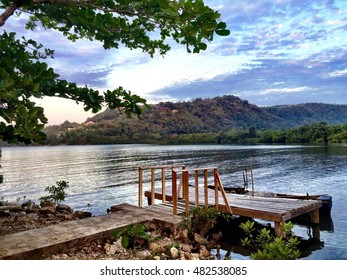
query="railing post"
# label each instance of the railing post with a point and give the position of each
(140, 187)
(215, 188)
(174, 192)
(197, 188)
(206, 188)
(185, 183)
(163, 184)
(152, 186)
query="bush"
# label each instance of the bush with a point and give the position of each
(57, 193)
(132, 235)
(268, 247)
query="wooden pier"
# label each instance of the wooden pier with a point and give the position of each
(182, 196)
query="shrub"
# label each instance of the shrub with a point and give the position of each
(57, 193)
(269, 247)
(132, 235)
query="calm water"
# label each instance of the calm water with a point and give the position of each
(101, 176)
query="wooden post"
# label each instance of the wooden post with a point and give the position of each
(279, 230)
(315, 216)
(196, 188)
(174, 192)
(185, 183)
(215, 188)
(251, 167)
(152, 185)
(315, 224)
(163, 184)
(206, 188)
(140, 187)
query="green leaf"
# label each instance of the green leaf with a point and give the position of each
(125, 241)
(211, 26)
(221, 25)
(223, 32)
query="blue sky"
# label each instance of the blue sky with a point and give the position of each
(279, 52)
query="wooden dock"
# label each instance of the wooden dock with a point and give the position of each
(182, 196)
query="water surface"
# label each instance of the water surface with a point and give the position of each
(102, 176)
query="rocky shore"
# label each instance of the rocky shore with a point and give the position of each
(162, 243)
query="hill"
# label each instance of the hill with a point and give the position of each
(212, 115)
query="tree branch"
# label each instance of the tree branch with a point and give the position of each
(9, 11)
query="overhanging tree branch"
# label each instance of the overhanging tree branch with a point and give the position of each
(9, 11)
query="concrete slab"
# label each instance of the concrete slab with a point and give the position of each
(33, 244)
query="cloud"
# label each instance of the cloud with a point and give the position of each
(284, 90)
(338, 73)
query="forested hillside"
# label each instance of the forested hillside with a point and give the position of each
(168, 121)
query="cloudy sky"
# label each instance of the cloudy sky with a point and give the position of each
(279, 52)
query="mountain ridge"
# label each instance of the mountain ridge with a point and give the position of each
(218, 114)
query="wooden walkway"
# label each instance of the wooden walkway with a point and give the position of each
(35, 244)
(179, 199)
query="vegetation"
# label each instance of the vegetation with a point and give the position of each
(268, 247)
(133, 24)
(223, 120)
(57, 193)
(132, 236)
(200, 220)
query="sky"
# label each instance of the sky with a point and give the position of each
(279, 52)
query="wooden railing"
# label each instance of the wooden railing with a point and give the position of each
(163, 169)
(185, 175)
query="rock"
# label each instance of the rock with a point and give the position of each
(65, 216)
(47, 210)
(153, 246)
(143, 254)
(2, 203)
(110, 249)
(194, 256)
(82, 214)
(204, 253)
(11, 208)
(186, 248)
(157, 258)
(65, 209)
(174, 252)
(27, 204)
(5, 214)
(47, 203)
(200, 240)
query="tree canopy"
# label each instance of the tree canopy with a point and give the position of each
(148, 25)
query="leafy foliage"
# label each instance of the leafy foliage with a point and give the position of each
(132, 235)
(56, 193)
(132, 24)
(268, 247)
(200, 220)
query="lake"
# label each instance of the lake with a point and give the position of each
(106, 175)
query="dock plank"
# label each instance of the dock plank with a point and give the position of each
(266, 208)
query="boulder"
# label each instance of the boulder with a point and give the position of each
(65, 209)
(200, 240)
(47, 203)
(47, 210)
(5, 214)
(82, 214)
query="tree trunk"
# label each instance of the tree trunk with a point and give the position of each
(7, 13)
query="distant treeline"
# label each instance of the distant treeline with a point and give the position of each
(316, 133)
